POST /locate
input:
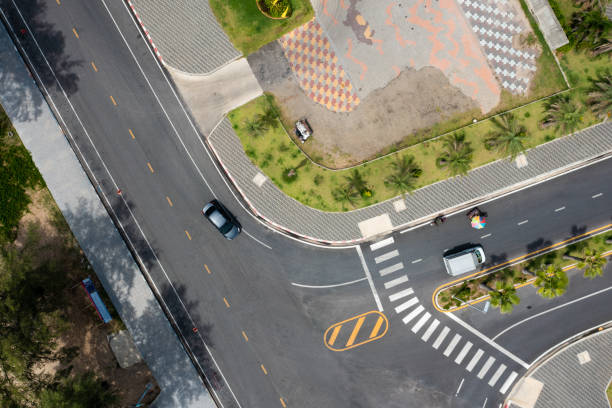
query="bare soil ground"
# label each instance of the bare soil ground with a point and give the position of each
(402, 112)
(86, 335)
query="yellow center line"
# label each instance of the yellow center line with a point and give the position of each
(169, 201)
(283, 403)
(187, 233)
(93, 65)
(377, 326)
(207, 270)
(353, 336)
(465, 278)
(226, 302)
(150, 167)
(131, 133)
(264, 369)
(113, 100)
(334, 334)
(75, 33)
(246, 338)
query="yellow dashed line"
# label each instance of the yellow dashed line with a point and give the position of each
(131, 133)
(150, 167)
(264, 369)
(283, 403)
(246, 338)
(113, 100)
(226, 302)
(187, 233)
(94, 66)
(356, 329)
(169, 201)
(75, 33)
(334, 334)
(207, 270)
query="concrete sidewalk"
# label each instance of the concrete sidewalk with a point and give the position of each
(97, 235)
(500, 177)
(574, 377)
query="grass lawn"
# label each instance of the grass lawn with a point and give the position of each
(609, 393)
(249, 29)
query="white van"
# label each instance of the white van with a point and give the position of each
(464, 261)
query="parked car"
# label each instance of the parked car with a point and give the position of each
(465, 261)
(222, 219)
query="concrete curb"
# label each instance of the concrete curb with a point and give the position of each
(145, 31)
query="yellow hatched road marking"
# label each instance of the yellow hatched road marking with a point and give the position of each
(377, 326)
(246, 338)
(150, 167)
(188, 236)
(207, 270)
(226, 302)
(334, 334)
(75, 33)
(94, 66)
(131, 133)
(353, 336)
(169, 201)
(113, 100)
(283, 403)
(264, 369)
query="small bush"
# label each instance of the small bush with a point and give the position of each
(527, 114)
(548, 138)
(290, 175)
(318, 179)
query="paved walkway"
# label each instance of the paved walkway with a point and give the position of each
(99, 239)
(185, 34)
(575, 377)
(488, 181)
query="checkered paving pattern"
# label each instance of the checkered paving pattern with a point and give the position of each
(495, 26)
(315, 64)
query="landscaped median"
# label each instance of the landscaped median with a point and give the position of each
(545, 268)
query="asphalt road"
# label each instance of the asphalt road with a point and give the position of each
(265, 333)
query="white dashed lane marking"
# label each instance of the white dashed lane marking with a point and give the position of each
(391, 269)
(523, 222)
(485, 236)
(417, 260)
(401, 294)
(560, 209)
(597, 195)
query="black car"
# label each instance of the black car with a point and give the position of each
(222, 219)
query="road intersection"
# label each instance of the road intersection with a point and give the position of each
(263, 303)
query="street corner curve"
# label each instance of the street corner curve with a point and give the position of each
(356, 331)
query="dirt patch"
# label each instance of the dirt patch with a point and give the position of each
(401, 112)
(85, 338)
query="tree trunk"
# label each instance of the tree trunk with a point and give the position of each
(574, 258)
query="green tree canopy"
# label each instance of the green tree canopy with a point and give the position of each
(551, 282)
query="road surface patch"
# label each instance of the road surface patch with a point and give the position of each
(356, 331)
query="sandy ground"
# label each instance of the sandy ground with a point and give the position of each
(85, 332)
(415, 100)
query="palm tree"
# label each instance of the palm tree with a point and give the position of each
(457, 154)
(592, 263)
(586, 4)
(551, 281)
(269, 119)
(504, 296)
(562, 113)
(604, 47)
(405, 176)
(509, 135)
(356, 181)
(599, 96)
(345, 194)
(589, 29)
(254, 127)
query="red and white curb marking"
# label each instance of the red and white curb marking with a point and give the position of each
(144, 29)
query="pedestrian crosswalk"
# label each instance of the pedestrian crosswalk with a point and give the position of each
(439, 336)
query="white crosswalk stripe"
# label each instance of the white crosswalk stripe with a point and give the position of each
(421, 322)
(391, 269)
(485, 367)
(508, 382)
(432, 327)
(466, 348)
(451, 346)
(413, 314)
(498, 373)
(406, 305)
(397, 281)
(400, 294)
(441, 337)
(381, 244)
(387, 256)
(474, 360)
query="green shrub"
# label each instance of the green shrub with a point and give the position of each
(276, 8)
